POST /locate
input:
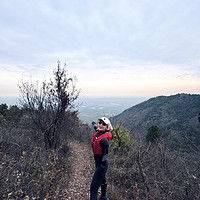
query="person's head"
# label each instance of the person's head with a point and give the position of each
(104, 124)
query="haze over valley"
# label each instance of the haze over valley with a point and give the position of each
(91, 108)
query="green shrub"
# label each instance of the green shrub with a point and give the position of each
(153, 134)
(121, 139)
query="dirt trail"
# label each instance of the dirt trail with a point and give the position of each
(81, 174)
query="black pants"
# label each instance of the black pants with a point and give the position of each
(98, 178)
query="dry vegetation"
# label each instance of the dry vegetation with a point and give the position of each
(35, 156)
(27, 169)
(34, 139)
(151, 171)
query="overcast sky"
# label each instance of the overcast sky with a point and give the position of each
(114, 47)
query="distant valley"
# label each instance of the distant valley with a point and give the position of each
(91, 108)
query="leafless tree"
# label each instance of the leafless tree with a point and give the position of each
(48, 104)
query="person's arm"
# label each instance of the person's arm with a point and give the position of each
(105, 145)
(95, 126)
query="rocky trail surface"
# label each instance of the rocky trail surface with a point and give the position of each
(81, 174)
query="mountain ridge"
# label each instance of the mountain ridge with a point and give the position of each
(176, 116)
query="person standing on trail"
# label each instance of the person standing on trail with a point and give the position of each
(100, 145)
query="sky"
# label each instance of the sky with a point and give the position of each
(113, 47)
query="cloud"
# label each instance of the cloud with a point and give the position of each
(123, 42)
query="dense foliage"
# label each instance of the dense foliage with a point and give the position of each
(153, 134)
(12, 114)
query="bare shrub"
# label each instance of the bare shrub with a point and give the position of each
(153, 172)
(26, 169)
(34, 149)
(47, 104)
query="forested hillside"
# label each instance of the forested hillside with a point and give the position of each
(175, 115)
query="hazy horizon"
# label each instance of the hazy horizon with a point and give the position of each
(13, 99)
(91, 108)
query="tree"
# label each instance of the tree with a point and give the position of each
(3, 109)
(153, 134)
(14, 114)
(50, 103)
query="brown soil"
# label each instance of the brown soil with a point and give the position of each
(81, 174)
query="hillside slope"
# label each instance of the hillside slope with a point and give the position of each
(175, 115)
